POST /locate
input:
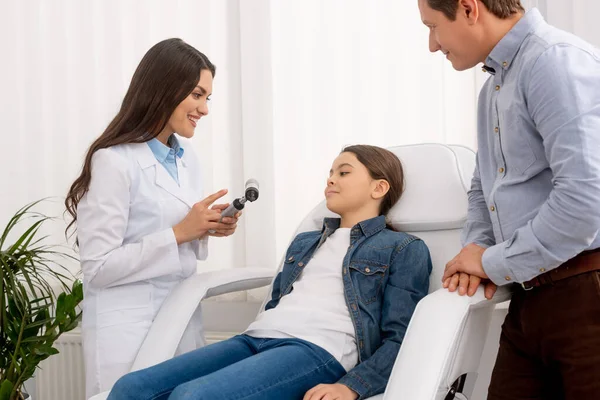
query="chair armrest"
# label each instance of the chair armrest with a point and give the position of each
(444, 340)
(174, 315)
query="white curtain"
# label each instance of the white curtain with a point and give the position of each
(296, 81)
(577, 16)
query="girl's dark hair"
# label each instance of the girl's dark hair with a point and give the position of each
(167, 74)
(381, 164)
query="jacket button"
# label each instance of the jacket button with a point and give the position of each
(367, 270)
(301, 264)
(354, 307)
(291, 258)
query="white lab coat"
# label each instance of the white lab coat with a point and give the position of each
(129, 256)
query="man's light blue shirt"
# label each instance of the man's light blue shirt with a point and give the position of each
(535, 195)
(166, 154)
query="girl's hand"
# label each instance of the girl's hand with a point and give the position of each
(336, 391)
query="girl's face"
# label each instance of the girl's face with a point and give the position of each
(184, 119)
(350, 188)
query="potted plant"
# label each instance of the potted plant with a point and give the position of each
(32, 315)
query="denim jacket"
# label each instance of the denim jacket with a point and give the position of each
(385, 274)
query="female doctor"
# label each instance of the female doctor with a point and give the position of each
(139, 210)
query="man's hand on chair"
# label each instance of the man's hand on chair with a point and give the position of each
(337, 391)
(466, 272)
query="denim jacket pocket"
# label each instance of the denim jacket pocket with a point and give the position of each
(292, 265)
(367, 278)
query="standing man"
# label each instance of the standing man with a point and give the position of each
(534, 203)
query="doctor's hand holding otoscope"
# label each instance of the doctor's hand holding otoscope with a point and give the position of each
(219, 220)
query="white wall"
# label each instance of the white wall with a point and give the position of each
(576, 16)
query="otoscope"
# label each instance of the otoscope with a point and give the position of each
(250, 194)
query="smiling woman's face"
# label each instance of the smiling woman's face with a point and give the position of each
(184, 119)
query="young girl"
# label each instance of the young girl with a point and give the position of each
(338, 311)
(141, 221)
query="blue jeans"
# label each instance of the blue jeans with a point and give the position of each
(242, 367)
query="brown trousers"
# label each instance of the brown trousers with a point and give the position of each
(550, 343)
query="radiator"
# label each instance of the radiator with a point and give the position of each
(62, 376)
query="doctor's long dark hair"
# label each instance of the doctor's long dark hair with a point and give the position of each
(167, 74)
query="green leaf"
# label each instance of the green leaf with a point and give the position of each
(15, 219)
(77, 290)
(6, 388)
(27, 236)
(45, 351)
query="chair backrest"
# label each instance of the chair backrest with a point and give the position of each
(434, 204)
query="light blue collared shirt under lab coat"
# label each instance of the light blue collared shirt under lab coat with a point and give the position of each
(165, 155)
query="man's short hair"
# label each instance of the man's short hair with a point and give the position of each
(500, 8)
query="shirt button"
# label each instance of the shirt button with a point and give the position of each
(496, 129)
(542, 269)
(367, 270)
(501, 170)
(507, 278)
(301, 264)
(504, 64)
(492, 208)
(497, 87)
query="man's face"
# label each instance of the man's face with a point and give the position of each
(456, 39)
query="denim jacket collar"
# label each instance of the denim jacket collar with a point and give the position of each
(368, 227)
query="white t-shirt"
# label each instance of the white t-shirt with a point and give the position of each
(316, 309)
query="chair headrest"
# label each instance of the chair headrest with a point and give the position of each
(437, 178)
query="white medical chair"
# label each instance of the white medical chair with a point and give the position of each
(447, 332)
